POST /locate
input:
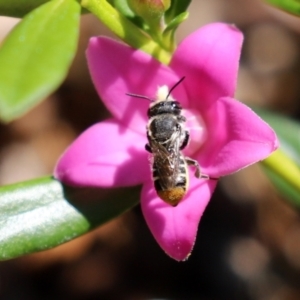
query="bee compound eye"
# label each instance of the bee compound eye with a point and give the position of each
(176, 108)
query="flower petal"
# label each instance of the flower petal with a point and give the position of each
(209, 59)
(237, 137)
(117, 69)
(175, 228)
(105, 155)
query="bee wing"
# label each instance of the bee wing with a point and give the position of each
(161, 155)
(166, 160)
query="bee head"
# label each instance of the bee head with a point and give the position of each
(164, 107)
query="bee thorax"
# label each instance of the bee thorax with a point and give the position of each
(162, 127)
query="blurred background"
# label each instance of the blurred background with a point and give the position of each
(248, 244)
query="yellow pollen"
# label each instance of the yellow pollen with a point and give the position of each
(162, 93)
(173, 196)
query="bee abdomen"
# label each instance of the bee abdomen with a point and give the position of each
(181, 181)
(174, 194)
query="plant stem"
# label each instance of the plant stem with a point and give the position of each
(125, 29)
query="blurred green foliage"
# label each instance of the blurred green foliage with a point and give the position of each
(291, 6)
(36, 55)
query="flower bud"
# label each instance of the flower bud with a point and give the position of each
(149, 9)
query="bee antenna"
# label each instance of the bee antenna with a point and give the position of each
(174, 86)
(140, 96)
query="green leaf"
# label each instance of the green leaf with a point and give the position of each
(172, 26)
(291, 6)
(35, 57)
(18, 8)
(42, 213)
(169, 32)
(283, 166)
(177, 7)
(284, 187)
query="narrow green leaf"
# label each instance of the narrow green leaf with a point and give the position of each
(285, 174)
(291, 6)
(172, 26)
(283, 166)
(42, 213)
(283, 186)
(35, 57)
(177, 7)
(18, 8)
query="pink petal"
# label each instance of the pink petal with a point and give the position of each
(209, 59)
(237, 137)
(117, 69)
(105, 155)
(175, 228)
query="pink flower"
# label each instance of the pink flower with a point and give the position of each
(226, 135)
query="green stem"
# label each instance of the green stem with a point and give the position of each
(281, 164)
(125, 29)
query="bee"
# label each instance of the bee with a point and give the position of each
(167, 137)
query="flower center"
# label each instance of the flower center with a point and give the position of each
(197, 129)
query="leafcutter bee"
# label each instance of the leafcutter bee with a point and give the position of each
(167, 137)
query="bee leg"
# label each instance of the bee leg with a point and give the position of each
(148, 148)
(192, 162)
(181, 118)
(186, 140)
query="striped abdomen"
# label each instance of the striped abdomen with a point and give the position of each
(171, 180)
